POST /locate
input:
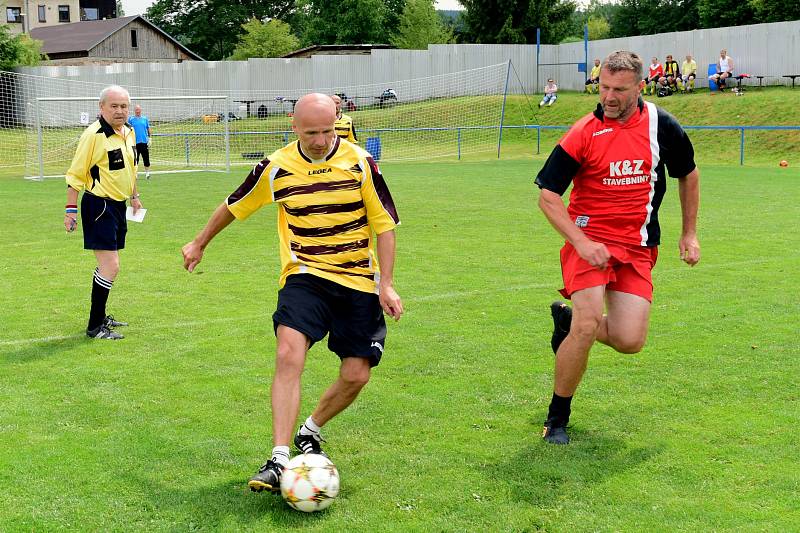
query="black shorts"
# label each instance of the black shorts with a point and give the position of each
(103, 222)
(316, 307)
(144, 151)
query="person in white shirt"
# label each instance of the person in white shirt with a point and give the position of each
(724, 69)
(550, 93)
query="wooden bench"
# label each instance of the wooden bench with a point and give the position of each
(793, 76)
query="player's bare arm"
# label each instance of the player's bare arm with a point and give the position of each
(193, 251)
(689, 192)
(390, 301)
(595, 253)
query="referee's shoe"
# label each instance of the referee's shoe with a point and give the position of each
(103, 332)
(110, 322)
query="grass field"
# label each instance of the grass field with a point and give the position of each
(160, 431)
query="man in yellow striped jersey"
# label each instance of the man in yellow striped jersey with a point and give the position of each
(333, 208)
(103, 167)
(344, 123)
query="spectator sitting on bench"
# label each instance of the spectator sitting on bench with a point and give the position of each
(672, 76)
(654, 74)
(689, 70)
(724, 70)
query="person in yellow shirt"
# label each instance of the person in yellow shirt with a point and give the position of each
(594, 77)
(344, 123)
(688, 73)
(103, 167)
(334, 208)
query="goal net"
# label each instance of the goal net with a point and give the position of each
(456, 115)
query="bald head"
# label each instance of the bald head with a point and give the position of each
(314, 115)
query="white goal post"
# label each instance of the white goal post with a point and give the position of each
(190, 131)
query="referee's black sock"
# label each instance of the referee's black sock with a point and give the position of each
(558, 414)
(100, 289)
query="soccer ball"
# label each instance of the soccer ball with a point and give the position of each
(784, 163)
(309, 482)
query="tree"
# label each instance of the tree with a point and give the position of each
(341, 21)
(211, 28)
(120, 10)
(420, 25)
(270, 39)
(646, 17)
(719, 13)
(776, 10)
(599, 28)
(18, 50)
(522, 17)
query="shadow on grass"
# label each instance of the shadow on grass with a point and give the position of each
(225, 505)
(35, 350)
(545, 475)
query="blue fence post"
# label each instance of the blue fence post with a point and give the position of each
(741, 149)
(538, 138)
(186, 147)
(459, 144)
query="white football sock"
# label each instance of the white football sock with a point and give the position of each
(280, 455)
(309, 427)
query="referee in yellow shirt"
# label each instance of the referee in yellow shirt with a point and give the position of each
(103, 167)
(334, 212)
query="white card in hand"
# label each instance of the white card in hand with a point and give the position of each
(138, 217)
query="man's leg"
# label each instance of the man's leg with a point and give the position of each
(354, 373)
(625, 326)
(571, 360)
(290, 357)
(290, 360)
(104, 276)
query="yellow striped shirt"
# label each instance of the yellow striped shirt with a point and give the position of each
(328, 211)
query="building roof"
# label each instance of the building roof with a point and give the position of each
(83, 36)
(336, 49)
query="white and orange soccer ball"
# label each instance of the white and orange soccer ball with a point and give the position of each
(310, 482)
(784, 163)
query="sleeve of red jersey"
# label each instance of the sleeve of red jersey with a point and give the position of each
(676, 148)
(564, 161)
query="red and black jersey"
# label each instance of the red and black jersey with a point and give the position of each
(617, 171)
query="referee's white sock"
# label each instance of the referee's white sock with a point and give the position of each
(309, 427)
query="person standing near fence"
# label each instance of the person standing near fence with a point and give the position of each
(104, 168)
(616, 159)
(141, 125)
(344, 123)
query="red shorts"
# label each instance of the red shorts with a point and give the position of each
(629, 270)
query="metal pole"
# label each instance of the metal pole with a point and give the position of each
(538, 49)
(186, 147)
(228, 137)
(39, 142)
(538, 138)
(741, 148)
(503, 110)
(586, 49)
(459, 144)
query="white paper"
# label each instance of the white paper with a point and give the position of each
(138, 217)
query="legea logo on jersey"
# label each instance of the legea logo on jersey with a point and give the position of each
(601, 132)
(319, 171)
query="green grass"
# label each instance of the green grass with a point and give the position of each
(160, 431)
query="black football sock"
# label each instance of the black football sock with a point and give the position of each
(100, 289)
(558, 414)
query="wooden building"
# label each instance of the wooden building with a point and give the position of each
(121, 40)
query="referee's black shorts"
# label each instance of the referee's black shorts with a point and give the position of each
(317, 307)
(103, 222)
(142, 150)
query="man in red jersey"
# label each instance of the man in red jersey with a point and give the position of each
(615, 158)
